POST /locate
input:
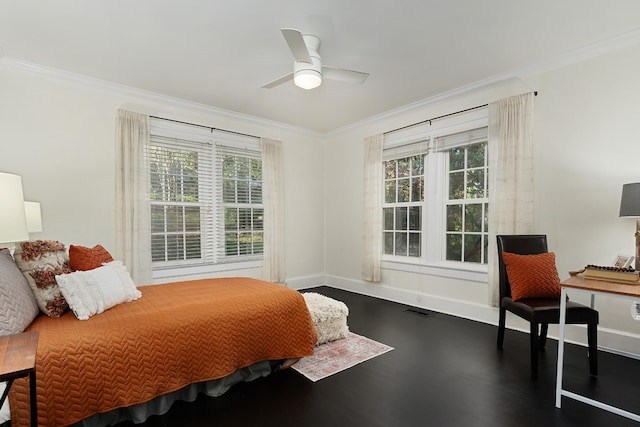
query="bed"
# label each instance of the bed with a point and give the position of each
(178, 339)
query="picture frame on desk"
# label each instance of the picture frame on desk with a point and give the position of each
(623, 261)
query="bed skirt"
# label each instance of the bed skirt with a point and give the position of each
(161, 404)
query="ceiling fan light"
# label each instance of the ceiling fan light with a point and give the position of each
(307, 79)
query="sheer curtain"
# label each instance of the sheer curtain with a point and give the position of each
(133, 214)
(510, 175)
(373, 182)
(273, 200)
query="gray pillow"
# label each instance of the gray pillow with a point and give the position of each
(18, 305)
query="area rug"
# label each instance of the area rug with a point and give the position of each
(336, 356)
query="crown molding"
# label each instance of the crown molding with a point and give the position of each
(620, 41)
(9, 63)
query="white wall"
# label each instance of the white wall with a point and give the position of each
(587, 134)
(59, 135)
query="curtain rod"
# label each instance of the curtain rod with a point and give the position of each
(441, 117)
(203, 126)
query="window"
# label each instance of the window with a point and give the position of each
(467, 208)
(404, 196)
(435, 209)
(206, 197)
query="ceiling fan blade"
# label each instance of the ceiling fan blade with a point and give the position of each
(344, 75)
(297, 45)
(278, 82)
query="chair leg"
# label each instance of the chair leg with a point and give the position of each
(592, 337)
(543, 335)
(501, 326)
(534, 349)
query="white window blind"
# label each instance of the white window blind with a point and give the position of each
(181, 174)
(240, 225)
(474, 136)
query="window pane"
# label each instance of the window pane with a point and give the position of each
(401, 219)
(486, 218)
(243, 168)
(230, 219)
(415, 218)
(231, 244)
(404, 167)
(475, 184)
(256, 192)
(157, 248)
(388, 243)
(472, 248)
(174, 217)
(157, 219)
(401, 244)
(390, 192)
(245, 243)
(454, 218)
(192, 218)
(414, 244)
(229, 191)
(388, 218)
(390, 169)
(454, 247)
(258, 219)
(417, 189)
(243, 192)
(476, 156)
(193, 246)
(456, 159)
(473, 218)
(417, 165)
(403, 190)
(456, 186)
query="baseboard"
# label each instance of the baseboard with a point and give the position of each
(609, 340)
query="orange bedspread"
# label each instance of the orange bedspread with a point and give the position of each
(175, 335)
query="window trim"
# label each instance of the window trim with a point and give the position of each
(213, 137)
(431, 261)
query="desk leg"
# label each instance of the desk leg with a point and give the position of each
(563, 319)
(32, 398)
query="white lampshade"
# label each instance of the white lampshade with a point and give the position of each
(13, 220)
(34, 217)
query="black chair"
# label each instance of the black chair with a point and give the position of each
(540, 312)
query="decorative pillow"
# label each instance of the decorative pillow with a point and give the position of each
(532, 276)
(18, 306)
(94, 291)
(40, 261)
(82, 258)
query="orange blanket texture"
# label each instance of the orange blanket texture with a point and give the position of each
(175, 335)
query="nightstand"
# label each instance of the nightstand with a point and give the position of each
(18, 360)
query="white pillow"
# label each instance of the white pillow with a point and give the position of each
(94, 291)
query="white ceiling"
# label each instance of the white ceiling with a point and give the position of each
(219, 53)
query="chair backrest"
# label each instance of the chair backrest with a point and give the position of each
(522, 244)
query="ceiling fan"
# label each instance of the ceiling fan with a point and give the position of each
(308, 70)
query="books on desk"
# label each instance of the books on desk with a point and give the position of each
(612, 274)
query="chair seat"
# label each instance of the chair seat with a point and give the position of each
(547, 310)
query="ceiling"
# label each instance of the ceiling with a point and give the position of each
(220, 53)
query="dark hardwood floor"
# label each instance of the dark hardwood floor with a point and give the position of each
(444, 371)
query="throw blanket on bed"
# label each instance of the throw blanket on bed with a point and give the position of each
(175, 335)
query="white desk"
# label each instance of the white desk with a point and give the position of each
(594, 287)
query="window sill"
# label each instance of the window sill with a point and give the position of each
(472, 273)
(193, 270)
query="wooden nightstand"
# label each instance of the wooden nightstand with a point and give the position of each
(18, 360)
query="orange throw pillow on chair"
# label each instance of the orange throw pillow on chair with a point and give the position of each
(82, 258)
(532, 276)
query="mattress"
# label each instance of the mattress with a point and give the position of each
(175, 335)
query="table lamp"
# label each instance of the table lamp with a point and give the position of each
(630, 208)
(13, 220)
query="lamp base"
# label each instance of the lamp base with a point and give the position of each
(637, 245)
